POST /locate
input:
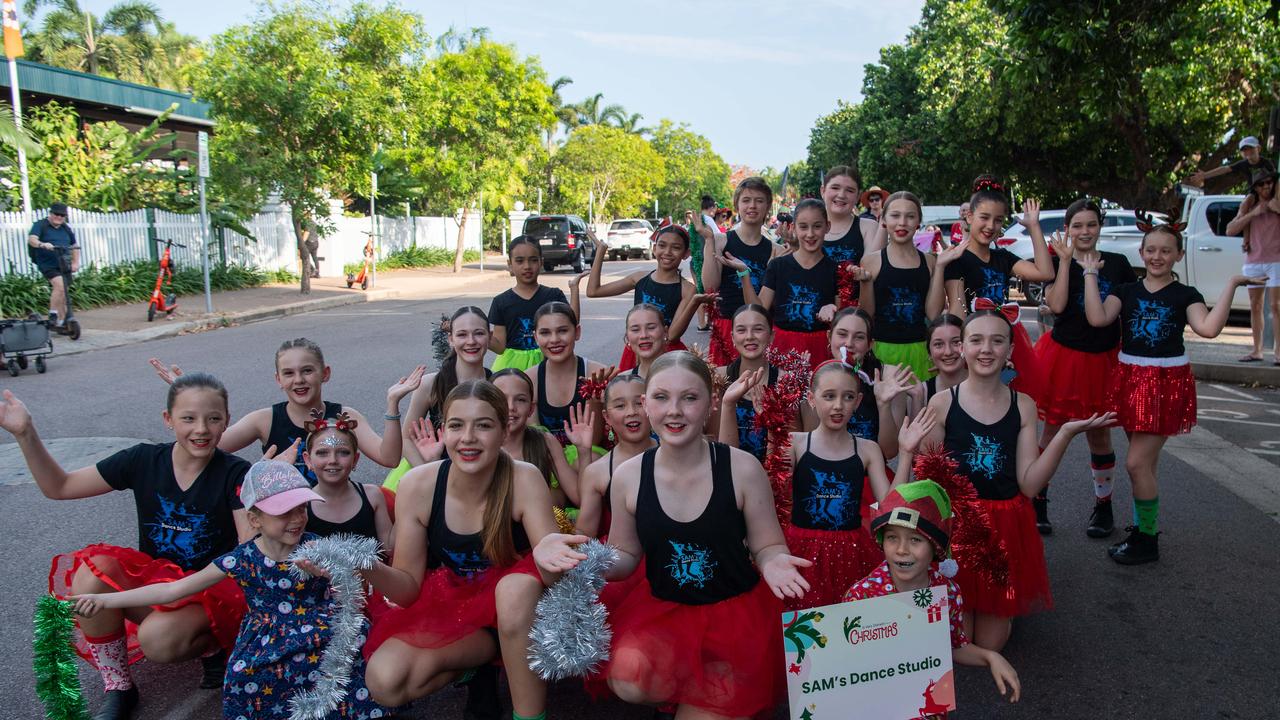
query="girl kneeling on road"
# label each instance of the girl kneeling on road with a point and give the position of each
(189, 513)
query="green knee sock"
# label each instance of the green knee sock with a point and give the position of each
(1147, 511)
(517, 716)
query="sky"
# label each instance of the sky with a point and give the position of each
(750, 75)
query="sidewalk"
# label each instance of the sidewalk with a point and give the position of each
(117, 325)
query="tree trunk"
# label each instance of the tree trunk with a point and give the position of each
(462, 235)
(305, 257)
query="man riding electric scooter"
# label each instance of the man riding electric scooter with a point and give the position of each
(51, 245)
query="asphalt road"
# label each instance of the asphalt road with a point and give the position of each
(1165, 640)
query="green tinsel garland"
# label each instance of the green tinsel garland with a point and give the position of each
(57, 677)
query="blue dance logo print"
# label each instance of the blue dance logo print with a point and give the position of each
(467, 563)
(749, 438)
(1151, 322)
(839, 252)
(985, 456)
(523, 338)
(995, 285)
(904, 307)
(1104, 291)
(757, 273)
(691, 564)
(655, 301)
(801, 307)
(865, 428)
(178, 533)
(828, 502)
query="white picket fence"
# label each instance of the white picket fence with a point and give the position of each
(111, 238)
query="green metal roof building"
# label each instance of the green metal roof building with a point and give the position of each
(99, 99)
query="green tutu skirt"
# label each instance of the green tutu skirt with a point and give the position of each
(519, 359)
(914, 355)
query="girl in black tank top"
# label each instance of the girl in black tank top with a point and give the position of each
(535, 445)
(462, 554)
(559, 379)
(331, 457)
(284, 433)
(664, 287)
(670, 639)
(828, 493)
(743, 432)
(997, 455)
(624, 414)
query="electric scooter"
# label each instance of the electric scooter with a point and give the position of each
(71, 326)
(365, 270)
(162, 301)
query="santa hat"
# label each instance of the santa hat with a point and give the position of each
(922, 506)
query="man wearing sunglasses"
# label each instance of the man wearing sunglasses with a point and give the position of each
(48, 239)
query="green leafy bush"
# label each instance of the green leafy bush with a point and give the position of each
(125, 283)
(415, 257)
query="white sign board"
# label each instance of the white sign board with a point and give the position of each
(887, 658)
(203, 142)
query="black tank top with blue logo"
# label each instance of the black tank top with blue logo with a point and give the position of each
(363, 523)
(462, 554)
(988, 454)
(664, 296)
(827, 494)
(699, 562)
(750, 438)
(900, 296)
(555, 418)
(283, 432)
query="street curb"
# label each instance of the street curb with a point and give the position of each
(224, 319)
(1237, 374)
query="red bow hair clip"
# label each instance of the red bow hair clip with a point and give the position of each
(1011, 311)
(319, 422)
(986, 182)
(1148, 222)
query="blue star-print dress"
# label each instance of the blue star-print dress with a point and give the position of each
(281, 641)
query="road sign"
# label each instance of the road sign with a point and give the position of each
(203, 168)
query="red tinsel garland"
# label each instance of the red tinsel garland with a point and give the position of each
(972, 536)
(720, 347)
(846, 286)
(779, 406)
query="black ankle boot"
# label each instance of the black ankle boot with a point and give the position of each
(1101, 521)
(213, 670)
(482, 695)
(1137, 549)
(1041, 505)
(118, 705)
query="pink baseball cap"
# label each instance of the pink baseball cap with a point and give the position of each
(275, 487)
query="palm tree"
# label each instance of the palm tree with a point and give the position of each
(453, 41)
(14, 136)
(129, 42)
(590, 111)
(631, 123)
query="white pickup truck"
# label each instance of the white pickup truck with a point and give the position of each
(1212, 256)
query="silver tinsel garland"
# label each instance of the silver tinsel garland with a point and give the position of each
(571, 633)
(340, 556)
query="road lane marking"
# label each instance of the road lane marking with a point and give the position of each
(1210, 398)
(1241, 422)
(1232, 391)
(1249, 477)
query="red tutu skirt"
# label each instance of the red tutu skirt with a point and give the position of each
(1153, 399)
(1029, 379)
(449, 607)
(815, 343)
(725, 658)
(628, 359)
(840, 559)
(125, 569)
(1076, 381)
(1027, 592)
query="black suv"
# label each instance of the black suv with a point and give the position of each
(564, 239)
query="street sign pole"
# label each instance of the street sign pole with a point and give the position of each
(203, 172)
